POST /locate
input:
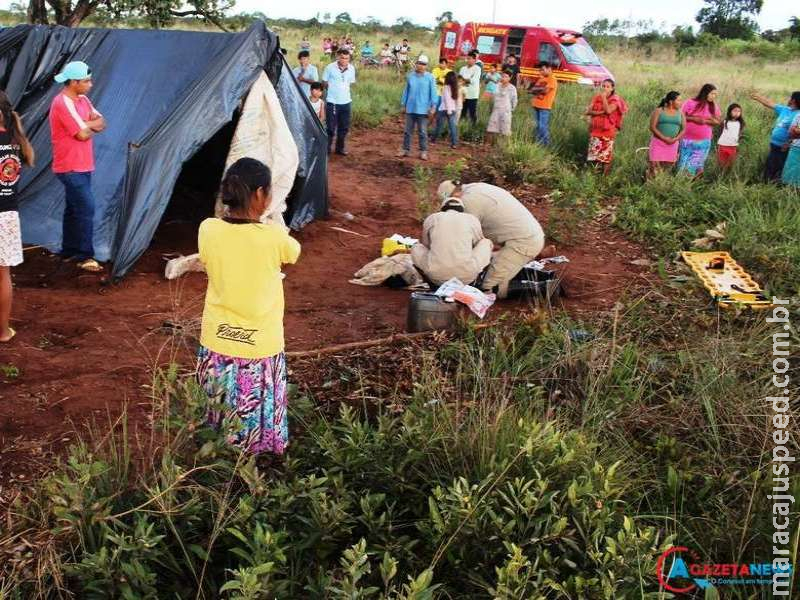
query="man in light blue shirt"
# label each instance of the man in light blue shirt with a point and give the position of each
(420, 100)
(306, 73)
(339, 76)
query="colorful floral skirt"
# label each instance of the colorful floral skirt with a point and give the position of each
(601, 149)
(248, 398)
(693, 155)
(791, 168)
(10, 239)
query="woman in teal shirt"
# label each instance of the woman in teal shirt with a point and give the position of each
(667, 124)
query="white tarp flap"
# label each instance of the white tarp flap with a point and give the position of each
(262, 133)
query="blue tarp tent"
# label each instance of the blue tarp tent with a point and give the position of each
(164, 94)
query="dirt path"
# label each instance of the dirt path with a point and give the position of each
(84, 350)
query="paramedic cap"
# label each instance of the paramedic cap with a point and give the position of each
(423, 59)
(74, 70)
(452, 201)
(445, 190)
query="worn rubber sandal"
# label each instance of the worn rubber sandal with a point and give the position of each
(90, 265)
(13, 334)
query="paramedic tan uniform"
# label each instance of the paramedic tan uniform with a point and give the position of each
(506, 222)
(452, 245)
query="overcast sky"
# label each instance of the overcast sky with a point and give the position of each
(574, 14)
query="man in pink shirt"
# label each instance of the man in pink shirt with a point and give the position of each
(73, 124)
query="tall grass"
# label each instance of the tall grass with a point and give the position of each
(519, 459)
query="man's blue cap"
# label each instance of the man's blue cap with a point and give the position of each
(74, 70)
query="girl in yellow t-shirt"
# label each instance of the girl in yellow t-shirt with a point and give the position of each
(241, 365)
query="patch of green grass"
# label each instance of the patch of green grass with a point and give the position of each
(9, 371)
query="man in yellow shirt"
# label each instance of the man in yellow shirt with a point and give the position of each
(544, 95)
(439, 72)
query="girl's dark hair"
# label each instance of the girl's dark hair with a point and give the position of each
(451, 81)
(669, 99)
(729, 117)
(613, 85)
(13, 124)
(242, 180)
(795, 97)
(702, 96)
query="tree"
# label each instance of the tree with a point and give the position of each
(730, 19)
(157, 12)
(794, 28)
(604, 28)
(444, 18)
(372, 23)
(343, 18)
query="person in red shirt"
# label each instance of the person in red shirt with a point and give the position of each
(74, 121)
(606, 112)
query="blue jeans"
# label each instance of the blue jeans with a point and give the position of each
(421, 123)
(452, 124)
(337, 121)
(541, 117)
(78, 225)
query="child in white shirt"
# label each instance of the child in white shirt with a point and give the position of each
(316, 100)
(728, 142)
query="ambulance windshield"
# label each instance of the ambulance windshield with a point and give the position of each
(580, 53)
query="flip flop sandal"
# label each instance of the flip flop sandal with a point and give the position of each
(13, 334)
(90, 265)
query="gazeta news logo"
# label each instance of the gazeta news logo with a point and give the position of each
(681, 571)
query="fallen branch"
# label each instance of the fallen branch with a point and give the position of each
(392, 339)
(397, 337)
(343, 230)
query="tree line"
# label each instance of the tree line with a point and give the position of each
(724, 19)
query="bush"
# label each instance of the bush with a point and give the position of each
(389, 506)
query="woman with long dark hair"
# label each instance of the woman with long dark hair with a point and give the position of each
(448, 109)
(667, 125)
(606, 112)
(702, 115)
(15, 150)
(241, 365)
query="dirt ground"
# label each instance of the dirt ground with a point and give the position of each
(85, 349)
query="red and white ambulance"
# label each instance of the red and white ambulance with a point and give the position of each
(568, 51)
